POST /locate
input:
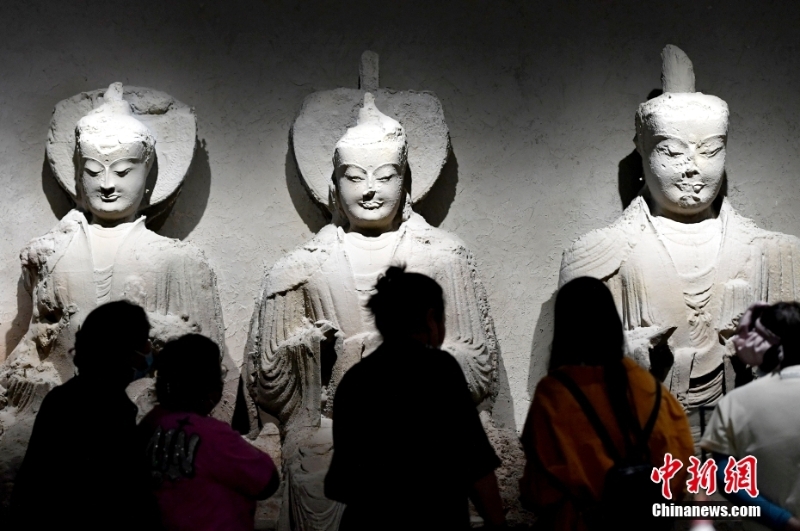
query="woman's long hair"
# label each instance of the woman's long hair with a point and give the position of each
(588, 331)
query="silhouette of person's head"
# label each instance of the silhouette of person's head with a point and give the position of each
(409, 306)
(189, 375)
(587, 330)
(783, 320)
(111, 342)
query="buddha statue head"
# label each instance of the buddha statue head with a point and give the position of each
(681, 136)
(114, 155)
(369, 171)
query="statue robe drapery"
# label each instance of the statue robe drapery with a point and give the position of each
(170, 279)
(313, 288)
(752, 265)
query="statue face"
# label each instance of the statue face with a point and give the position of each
(684, 161)
(370, 185)
(113, 183)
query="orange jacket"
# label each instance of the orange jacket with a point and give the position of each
(560, 442)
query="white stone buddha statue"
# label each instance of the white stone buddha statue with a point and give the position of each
(682, 264)
(102, 251)
(311, 323)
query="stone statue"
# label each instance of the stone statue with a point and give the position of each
(125, 157)
(682, 264)
(311, 323)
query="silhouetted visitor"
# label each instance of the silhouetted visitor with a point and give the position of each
(204, 474)
(82, 469)
(409, 447)
(762, 419)
(576, 466)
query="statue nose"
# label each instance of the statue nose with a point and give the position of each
(107, 185)
(691, 168)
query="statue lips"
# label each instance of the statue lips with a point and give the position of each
(109, 198)
(370, 205)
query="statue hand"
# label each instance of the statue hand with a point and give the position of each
(646, 341)
(364, 343)
(325, 334)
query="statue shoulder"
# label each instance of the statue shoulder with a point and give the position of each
(432, 237)
(746, 229)
(297, 266)
(171, 250)
(601, 252)
(40, 250)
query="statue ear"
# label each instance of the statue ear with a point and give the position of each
(637, 141)
(338, 216)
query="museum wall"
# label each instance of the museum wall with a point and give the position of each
(539, 98)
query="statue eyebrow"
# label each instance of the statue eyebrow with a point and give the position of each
(712, 137)
(355, 165)
(659, 137)
(386, 164)
(134, 159)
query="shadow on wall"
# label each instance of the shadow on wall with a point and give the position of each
(180, 219)
(630, 178)
(314, 215)
(503, 407)
(435, 206)
(542, 339)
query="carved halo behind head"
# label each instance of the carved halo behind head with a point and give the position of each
(324, 120)
(144, 114)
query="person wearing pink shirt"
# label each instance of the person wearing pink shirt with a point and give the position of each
(204, 474)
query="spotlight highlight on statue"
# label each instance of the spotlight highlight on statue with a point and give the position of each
(682, 264)
(121, 154)
(312, 321)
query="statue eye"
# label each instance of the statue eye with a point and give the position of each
(712, 152)
(354, 178)
(91, 173)
(123, 173)
(674, 153)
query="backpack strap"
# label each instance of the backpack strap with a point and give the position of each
(651, 421)
(590, 413)
(642, 443)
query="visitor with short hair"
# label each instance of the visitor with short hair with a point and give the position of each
(409, 449)
(82, 469)
(598, 421)
(762, 418)
(204, 474)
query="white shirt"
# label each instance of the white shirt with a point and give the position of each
(762, 419)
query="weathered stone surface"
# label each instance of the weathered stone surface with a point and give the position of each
(311, 321)
(102, 251)
(682, 264)
(172, 123)
(325, 117)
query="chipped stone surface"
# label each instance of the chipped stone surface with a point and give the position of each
(312, 323)
(172, 123)
(682, 264)
(100, 253)
(539, 101)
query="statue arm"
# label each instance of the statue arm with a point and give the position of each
(282, 360)
(470, 334)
